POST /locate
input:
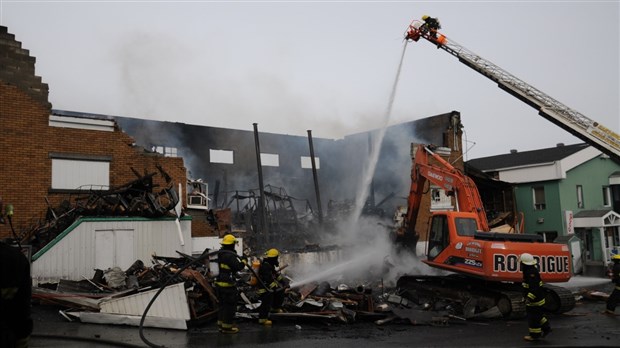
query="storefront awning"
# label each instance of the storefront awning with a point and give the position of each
(596, 218)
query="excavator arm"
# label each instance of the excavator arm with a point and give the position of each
(561, 115)
(447, 177)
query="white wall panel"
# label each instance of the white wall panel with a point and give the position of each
(73, 257)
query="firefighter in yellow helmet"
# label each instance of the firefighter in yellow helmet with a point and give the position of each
(534, 294)
(431, 24)
(229, 263)
(271, 297)
(614, 297)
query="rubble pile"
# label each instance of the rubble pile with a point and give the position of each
(139, 197)
(116, 296)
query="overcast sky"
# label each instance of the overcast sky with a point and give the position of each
(328, 66)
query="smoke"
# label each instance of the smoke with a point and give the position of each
(368, 251)
(364, 255)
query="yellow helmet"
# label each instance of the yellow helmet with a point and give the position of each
(527, 259)
(616, 257)
(425, 17)
(272, 253)
(228, 239)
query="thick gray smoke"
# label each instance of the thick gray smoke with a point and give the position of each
(368, 253)
(365, 254)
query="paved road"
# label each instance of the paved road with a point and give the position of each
(584, 326)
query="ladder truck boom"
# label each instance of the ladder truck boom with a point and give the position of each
(588, 130)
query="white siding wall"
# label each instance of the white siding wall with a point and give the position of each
(74, 256)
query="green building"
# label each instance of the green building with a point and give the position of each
(567, 194)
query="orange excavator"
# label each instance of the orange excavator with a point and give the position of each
(485, 263)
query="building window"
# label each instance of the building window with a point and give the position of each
(270, 159)
(76, 174)
(580, 197)
(306, 162)
(439, 199)
(166, 151)
(606, 196)
(221, 156)
(538, 193)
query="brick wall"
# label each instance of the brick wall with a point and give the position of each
(451, 139)
(27, 141)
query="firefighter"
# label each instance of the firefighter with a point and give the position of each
(534, 295)
(229, 264)
(15, 293)
(432, 24)
(614, 297)
(273, 285)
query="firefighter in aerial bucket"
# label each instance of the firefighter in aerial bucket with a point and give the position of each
(432, 24)
(534, 294)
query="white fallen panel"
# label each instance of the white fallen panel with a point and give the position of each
(132, 320)
(171, 303)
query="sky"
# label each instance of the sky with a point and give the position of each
(325, 66)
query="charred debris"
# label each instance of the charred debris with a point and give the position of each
(120, 296)
(114, 293)
(139, 197)
(117, 296)
(98, 299)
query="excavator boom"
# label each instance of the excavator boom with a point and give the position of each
(446, 176)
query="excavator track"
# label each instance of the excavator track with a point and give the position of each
(476, 298)
(558, 299)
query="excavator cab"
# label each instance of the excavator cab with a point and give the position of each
(456, 243)
(438, 237)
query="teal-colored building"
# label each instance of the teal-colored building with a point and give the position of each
(569, 193)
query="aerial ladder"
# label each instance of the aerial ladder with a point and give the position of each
(584, 128)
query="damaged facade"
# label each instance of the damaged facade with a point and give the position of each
(57, 152)
(291, 205)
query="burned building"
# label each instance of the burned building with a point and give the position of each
(49, 147)
(288, 173)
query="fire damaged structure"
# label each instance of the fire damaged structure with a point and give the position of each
(296, 190)
(289, 187)
(296, 216)
(79, 164)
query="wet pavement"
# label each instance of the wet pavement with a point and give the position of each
(584, 326)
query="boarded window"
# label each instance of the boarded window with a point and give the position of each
(270, 159)
(72, 174)
(221, 156)
(306, 162)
